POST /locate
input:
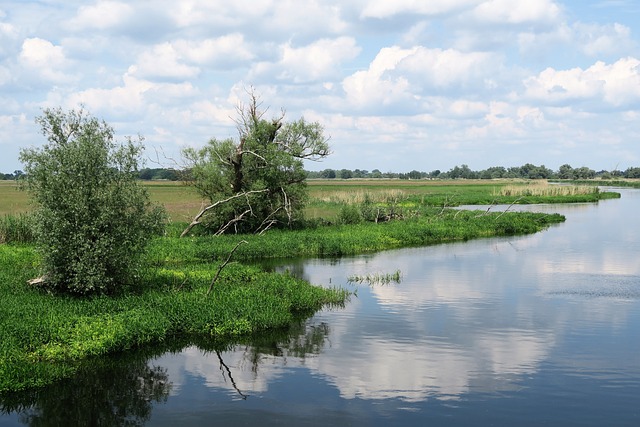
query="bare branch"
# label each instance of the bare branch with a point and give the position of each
(197, 218)
(224, 264)
(232, 222)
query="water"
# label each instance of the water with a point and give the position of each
(532, 330)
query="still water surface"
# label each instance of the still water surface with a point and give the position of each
(533, 330)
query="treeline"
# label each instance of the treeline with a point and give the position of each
(144, 174)
(527, 171)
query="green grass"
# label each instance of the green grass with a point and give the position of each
(327, 197)
(44, 338)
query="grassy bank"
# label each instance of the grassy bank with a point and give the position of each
(44, 337)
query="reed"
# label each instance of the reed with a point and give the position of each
(544, 189)
(376, 278)
(17, 228)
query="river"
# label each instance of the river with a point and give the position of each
(530, 330)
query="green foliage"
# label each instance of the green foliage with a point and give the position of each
(92, 219)
(44, 338)
(258, 181)
(350, 214)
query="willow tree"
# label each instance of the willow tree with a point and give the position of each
(93, 219)
(256, 181)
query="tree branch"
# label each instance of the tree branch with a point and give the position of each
(197, 218)
(224, 265)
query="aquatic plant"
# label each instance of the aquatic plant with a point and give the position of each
(376, 278)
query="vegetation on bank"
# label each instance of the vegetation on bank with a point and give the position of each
(631, 183)
(45, 337)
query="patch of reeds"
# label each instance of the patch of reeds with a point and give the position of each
(376, 278)
(360, 196)
(544, 189)
(17, 228)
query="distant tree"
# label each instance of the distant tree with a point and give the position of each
(584, 173)
(258, 180)
(632, 173)
(376, 173)
(357, 173)
(565, 172)
(414, 174)
(93, 220)
(345, 174)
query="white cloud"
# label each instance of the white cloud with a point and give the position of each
(162, 62)
(121, 100)
(385, 8)
(102, 15)
(315, 62)
(406, 75)
(220, 51)
(44, 59)
(517, 12)
(604, 39)
(616, 84)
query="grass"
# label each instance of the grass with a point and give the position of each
(44, 338)
(543, 189)
(618, 182)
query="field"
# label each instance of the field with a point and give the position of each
(328, 196)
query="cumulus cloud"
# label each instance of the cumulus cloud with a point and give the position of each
(517, 12)
(221, 52)
(616, 84)
(163, 61)
(384, 8)
(315, 62)
(405, 75)
(42, 58)
(102, 15)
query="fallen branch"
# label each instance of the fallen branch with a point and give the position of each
(197, 218)
(224, 264)
(509, 207)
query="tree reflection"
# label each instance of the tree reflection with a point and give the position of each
(121, 390)
(110, 392)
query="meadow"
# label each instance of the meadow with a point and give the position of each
(188, 290)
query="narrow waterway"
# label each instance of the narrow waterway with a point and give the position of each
(529, 330)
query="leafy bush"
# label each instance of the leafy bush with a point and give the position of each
(350, 214)
(92, 219)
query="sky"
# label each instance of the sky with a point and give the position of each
(397, 85)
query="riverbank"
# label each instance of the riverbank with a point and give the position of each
(44, 338)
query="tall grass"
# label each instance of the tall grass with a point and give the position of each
(17, 228)
(544, 189)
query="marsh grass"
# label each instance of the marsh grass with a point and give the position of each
(17, 228)
(544, 189)
(360, 196)
(376, 278)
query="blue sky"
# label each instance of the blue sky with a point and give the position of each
(398, 85)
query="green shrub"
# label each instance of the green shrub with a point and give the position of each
(92, 219)
(350, 214)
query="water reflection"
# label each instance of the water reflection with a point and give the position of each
(107, 392)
